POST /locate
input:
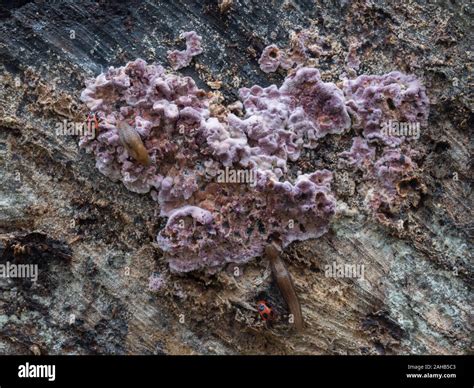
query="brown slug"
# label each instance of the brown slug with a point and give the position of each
(133, 143)
(285, 283)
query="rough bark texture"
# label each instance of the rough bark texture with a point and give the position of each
(93, 240)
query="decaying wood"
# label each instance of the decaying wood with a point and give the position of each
(94, 241)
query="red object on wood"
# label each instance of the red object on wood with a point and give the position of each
(265, 312)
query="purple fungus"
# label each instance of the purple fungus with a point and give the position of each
(179, 59)
(223, 183)
(374, 100)
(272, 58)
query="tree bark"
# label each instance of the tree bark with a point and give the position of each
(93, 240)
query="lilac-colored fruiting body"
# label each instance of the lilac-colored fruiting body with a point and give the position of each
(392, 167)
(373, 102)
(386, 171)
(157, 104)
(179, 59)
(272, 58)
(376, 99)
(297, 114)
(237, 223)
(322, 102)
(360, 153)
(302, 46)
(212, 223)
(352, 60)
(156, 282)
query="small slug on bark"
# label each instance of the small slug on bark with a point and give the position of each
(133, 143)
(284, 282)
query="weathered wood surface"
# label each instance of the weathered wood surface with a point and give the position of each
(93, 239)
